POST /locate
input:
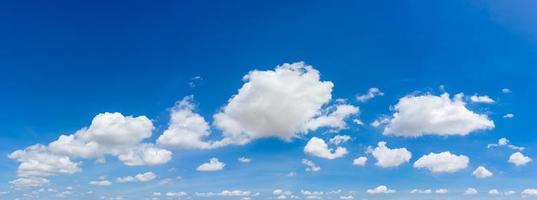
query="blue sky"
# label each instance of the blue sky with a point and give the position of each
(68, 63)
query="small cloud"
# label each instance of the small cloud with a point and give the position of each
(212, 165)
(508, 116)
(371, 93)
(100, 183)
(481, 99)
(311, 166)
(482, 172)
(360, 161)
(244, 160)
(505, 142)
(519, 159)
(381, 189)
(506, 90)
(470, 191)
(194, 81)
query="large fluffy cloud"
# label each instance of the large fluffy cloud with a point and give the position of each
(442, 162)
(435, 115)
(317, 147)
(387, 157)
(108, 134)
(280, 103)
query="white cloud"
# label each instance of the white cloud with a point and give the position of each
(441, 191)
(142, 177)
(317, 147)
(380, 121)
(349, 197)
(519, 159)
(100, 183)
(244, 160)
(470, 191)
(334, 120)
(481, 99)
(509, 116)
(176, 194)
(418, 191)
(283, 194)
(310, 165)
(482, 172)
(339, 139)
(38, 161)
(278, 103)
(435, 115)
(381, 189)
(145, 154)
(387, 157)
(505, 142)
(442, 162)
(29, 182)
(506, 90)
(529, 193)
(371, 93)
(234, 193)
(509, 193)
(186, 128)
(360, 161)
(212, 165)
(494, 192)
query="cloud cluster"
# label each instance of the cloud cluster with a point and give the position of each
(142, 177)
(434, 115)
(108, 134)
(310, 166)
(505, 142)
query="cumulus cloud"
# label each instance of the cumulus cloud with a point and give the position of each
(441, 191)
(283, 194)
(29, 182)
(279, 103)
(339, 139)
(176, 194)
(434, 115)
(101, 183)
(310, 165)
(142, 177)
(418, 191)
(360, 161)
(371, 93)
(212, 165)
(519, 159)
(529, 193)
(317, 147)
(504, 142)
(506, 90)
(381, 189)
(186, 129)
(482, 172)
(108, 134)
(481, 99)
(442, 162)
(470, 191)
(387, 157)
(494, 192)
